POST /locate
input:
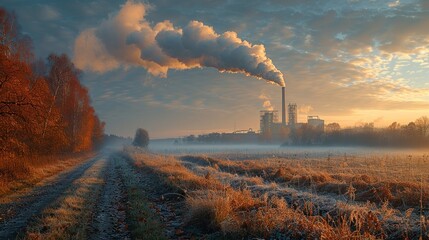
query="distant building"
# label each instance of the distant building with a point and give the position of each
(292, 115)
(316, 122)
(267, 120)
(241, 136)
(273, 130)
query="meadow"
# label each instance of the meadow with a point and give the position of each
(297, 193)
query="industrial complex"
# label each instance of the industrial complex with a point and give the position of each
(271, 129)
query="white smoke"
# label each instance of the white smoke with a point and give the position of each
(127, 39)
(266, 102)
(305, 109)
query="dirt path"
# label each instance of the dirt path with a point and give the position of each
(167, 205)
(109, 220)
(108, 207)
(15, 216)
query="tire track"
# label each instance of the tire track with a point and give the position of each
(109, 221)
(168, 207)
(16, 216)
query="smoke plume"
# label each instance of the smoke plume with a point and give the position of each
(127, 39)
(267, 103)
(305, 109)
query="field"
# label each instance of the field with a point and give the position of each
(290, 194)
(225, 192)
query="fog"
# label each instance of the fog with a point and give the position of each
(260, 151)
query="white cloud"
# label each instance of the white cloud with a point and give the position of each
(394, 4)
(48, 12)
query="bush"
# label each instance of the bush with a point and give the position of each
(142, 138)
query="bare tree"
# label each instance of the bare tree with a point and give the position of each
(422, 124)
(333, 127)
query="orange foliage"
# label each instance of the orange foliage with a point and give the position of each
(43, 107)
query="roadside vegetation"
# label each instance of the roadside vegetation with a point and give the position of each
(34, 170)
(143, 220)
(70, 216)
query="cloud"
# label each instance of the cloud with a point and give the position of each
(397, 30)
(48, 13)
(89, 51)
(332, 87)
(127, 39)
(424, 4)
(394, 4)
(304, 109)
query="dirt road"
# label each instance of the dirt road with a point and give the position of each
(95, 200)
(16, 215)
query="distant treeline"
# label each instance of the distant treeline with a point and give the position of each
(214, 138)
(413, 134)
(44, 109)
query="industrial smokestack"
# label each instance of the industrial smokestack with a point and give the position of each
(283, 107)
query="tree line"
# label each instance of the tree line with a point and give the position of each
(44, 109)
(413, 134)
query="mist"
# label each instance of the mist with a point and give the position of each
(260, 151)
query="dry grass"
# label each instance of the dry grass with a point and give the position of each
(239, 214)
(143, 222)
(210, 209)
(70, 215)
(377, 179)
(174, 173)
(214, 205)
(23, 173)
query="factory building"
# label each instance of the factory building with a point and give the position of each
(292, 114)
(272, 129)
(242, 136)
(268, 120)
(316, 122)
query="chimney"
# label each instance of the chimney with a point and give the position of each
(283, 107)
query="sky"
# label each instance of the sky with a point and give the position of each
(347, 61)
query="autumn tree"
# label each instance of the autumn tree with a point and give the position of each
(43, 107)
(17, 110)
(72, 100)
(98, 132)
